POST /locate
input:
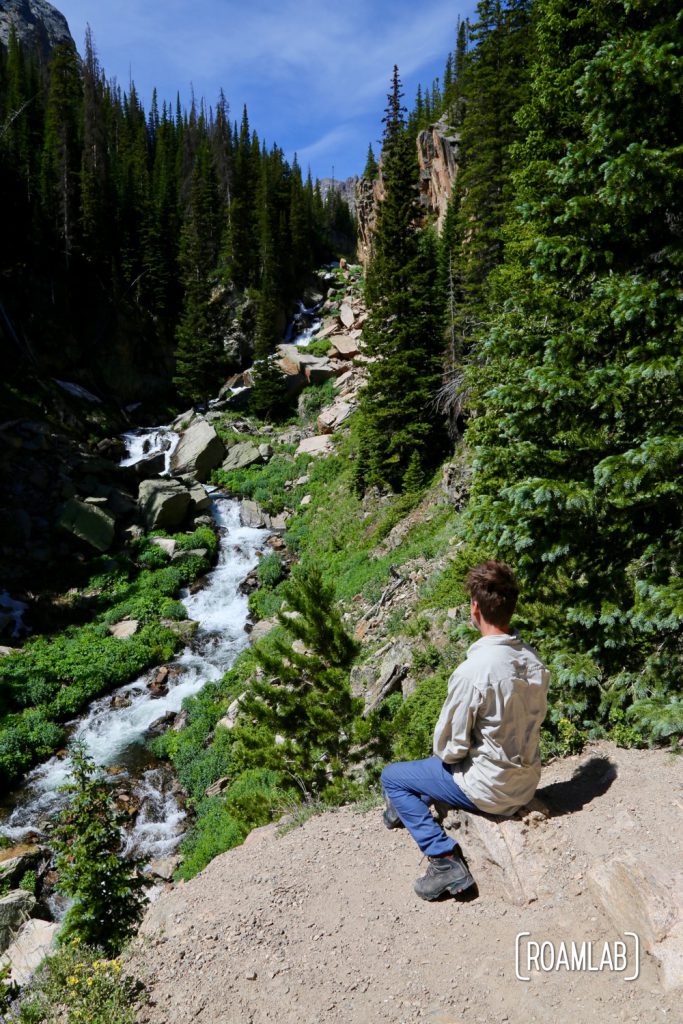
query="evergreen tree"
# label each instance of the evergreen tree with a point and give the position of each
(371, 169)
(578, 385)
(305, 696)
(106, 889)
(403, 329)
(62, 147)
(199, 355)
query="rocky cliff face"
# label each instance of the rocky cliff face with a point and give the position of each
(346, 189)
(37, 24)
(437, 154)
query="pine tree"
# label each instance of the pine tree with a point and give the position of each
(403, 330)
(305, 696)
(107, 890)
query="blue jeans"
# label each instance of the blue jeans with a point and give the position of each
(412, 786)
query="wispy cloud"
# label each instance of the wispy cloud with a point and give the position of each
(308, 69)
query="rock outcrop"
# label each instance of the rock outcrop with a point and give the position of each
(199, 451)
(36, 23)
(437, 153)
(34, 941)
(164, 503)
(89, 522)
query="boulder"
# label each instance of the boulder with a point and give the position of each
(183, 628)
(199, 451)
(319, 445)
(15, 908)
(645, 898)
(189, 553)
(150, 466)
(241, 455)
(183, 421)
(33, 942)
(122, 630)
(320, 371)
(89, 523)
(163, 867)
(163, 503)
(6, 651)
(333, 417)
(290, 359)
(201, 500)
(166, 544)
(16, 860)
(344, 347)
(263, 628)
(346, 315)
(266, 452)
(252, 515)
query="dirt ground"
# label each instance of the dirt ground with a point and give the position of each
(321, 925)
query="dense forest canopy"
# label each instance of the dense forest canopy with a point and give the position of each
(559, 271)
(143, 246)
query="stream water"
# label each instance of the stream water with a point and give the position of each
(116, 736)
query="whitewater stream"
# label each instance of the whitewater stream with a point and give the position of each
(116, 736)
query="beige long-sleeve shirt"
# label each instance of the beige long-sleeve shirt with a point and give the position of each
(490, 723)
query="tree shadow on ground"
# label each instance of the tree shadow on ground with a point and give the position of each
(591, 779)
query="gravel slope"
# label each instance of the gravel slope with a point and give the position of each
(322, 925)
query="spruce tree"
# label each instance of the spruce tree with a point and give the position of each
(371, 169)
(398, 420)
(200, 359)
(106, 889)
(578, 385)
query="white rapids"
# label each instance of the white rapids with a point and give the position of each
(115, 736)
(149, 441)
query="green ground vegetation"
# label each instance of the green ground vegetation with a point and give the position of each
(52, 678)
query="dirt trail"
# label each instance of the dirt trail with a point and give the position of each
(321, 926)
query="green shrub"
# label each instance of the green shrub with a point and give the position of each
(264, 603)
(271, 570)
(318, 347)
(316, 398)
(413, 724)
(254, 795)
(265, 484)
(28, 882)
(215, 831)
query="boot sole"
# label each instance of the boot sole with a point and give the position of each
(454, 889)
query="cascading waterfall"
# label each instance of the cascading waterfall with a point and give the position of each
(116, 726)
(148, 441)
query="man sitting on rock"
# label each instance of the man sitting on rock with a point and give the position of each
(486, 741)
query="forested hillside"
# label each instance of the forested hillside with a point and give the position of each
(499, 376)
(559, 271)
(144, 252)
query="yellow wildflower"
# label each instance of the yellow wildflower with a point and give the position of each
(72, 980)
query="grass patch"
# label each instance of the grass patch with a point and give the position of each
(55, 677)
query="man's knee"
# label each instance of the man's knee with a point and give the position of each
(387, 775)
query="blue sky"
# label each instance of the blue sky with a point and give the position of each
(314, 75)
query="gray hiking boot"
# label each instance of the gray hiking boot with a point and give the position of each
(390, 816)
(444, 874)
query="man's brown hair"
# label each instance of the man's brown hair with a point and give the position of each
(494, 587)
